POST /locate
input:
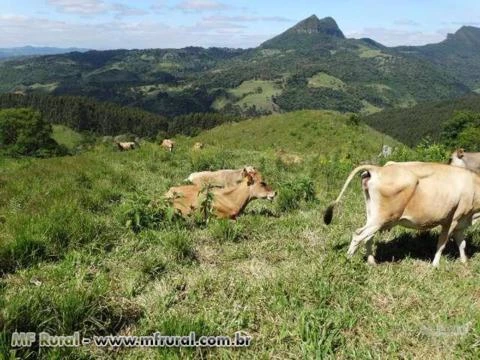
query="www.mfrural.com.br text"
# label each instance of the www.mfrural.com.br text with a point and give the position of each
(44, 339)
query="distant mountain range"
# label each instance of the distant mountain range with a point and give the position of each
(310, 66)
(8, 53)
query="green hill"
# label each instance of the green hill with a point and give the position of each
(85, 246)
(174, 82)
(458, 54)
(304, 132)
(423, 120)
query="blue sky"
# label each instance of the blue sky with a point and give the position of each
(106, 24)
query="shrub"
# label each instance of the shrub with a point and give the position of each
(227, 231)
(141, 213)
(292, 193)
(25, 132)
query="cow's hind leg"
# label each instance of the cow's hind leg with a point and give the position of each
(363, 234)
(368, 246)
(442, 241)
(459, 237)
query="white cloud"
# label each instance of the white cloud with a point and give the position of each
(244, 18)
(200, 5)
(21, 30)
(396, 37)
(85, 7)
(94, 7)
(406, 22)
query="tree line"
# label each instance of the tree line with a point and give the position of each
(103, 118)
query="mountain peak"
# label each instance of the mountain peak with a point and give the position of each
(314, 25)
(466, 35)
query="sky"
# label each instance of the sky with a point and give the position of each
(129, 24)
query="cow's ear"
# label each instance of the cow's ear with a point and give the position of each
(244, 172)
(460, 153)
(250, 180)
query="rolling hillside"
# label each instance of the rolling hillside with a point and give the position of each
(458, 54)
(411, 125)
(103, 259)
(24, 51)
(298, 69)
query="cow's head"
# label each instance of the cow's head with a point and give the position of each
(257, 187)
(456, 159)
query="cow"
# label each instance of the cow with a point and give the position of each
(130, 145)
(228, 202)
(168, 144)
(288, 159)
(220, 178)
(415, 195)
(386, 151)
(198, 146)
(469, 160)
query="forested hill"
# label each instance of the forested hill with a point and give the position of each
(458, 54)
(312, 66)
(104, 118)
(412, 125)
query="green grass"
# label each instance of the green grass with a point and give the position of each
(66, 136)
(320, 133)
(365, 52)
(250, 93)
(324, 80)
(69, 262)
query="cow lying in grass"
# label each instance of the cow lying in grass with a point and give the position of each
(227, 202)
(415, 195)
(220, 178)
(122, 146)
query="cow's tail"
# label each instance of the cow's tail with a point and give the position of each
(327, 217)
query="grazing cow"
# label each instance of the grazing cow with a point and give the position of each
(198, 146)
(168, 144)
(288, 159)
(220, 178)
(228, 202)
(386, 151)
(469, 160)
(415, 195)
(122, 146)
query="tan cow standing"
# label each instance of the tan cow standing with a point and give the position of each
(227, 202)
(130, 145)
(168, 144)
(220, 178)
(415, 195)
(198, 146)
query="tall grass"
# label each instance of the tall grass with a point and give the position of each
(87, 243)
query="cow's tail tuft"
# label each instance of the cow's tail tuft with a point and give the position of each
(328, 215)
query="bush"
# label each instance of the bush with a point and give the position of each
(141, 213)
(291, 194)
(24, 132)
(227, 231)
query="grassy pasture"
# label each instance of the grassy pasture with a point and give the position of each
(256, 93)
(68, 261)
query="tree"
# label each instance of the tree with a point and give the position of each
(24, 132)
